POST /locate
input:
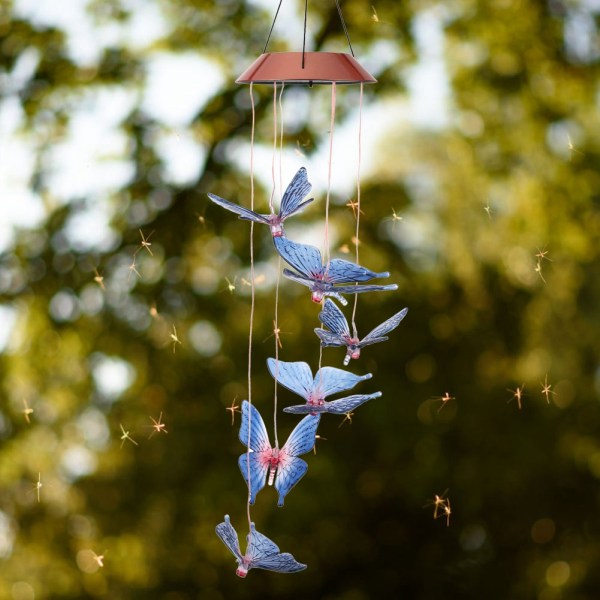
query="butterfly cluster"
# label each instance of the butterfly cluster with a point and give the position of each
(262, 463)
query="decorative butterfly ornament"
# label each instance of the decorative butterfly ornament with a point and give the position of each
(322, 279)
(282, 464)
(261, 552)
(291, 203)
(297, 377)
(340, 335)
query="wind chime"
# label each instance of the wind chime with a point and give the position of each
(327, 278)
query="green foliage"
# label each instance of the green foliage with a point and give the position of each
(495, 255)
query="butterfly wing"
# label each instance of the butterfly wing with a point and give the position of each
(343, 271)
(328, 338)
(243, 213)
(291, 468)
(330, 380)
(379, 333)
(258, 465)
(302, 438)
(229, 537)
(292, 198)
(265, 554)
(290, 471)
(304, 258)
(358, 289)
(334, 318)
(337, 407)
(298, 278)
(295, 376)
(251, 420)
(281, 563)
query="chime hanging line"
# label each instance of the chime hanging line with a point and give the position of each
(252, 301)
(357, 232)
(277, 150)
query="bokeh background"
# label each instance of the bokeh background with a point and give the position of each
(480, 154)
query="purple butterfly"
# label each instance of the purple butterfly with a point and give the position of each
(297, 377)
(320, 278)
(291, 203)
(282, 465)
(261, 552)
(339, 335)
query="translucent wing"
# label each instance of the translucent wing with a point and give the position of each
(337, 407)
(303, 279)
(343, 271)
(229, 537)
(330, 380)
(304, 258)
(302, 438)
(281, 563)
(259, 545)
(290, 471)
(358, 289)
(264, 554)
(334, 318)
(258, 472)
(379, 333)
(259, 439)
(243, 213)
(295, 376)
(295, 192)
(328, 338)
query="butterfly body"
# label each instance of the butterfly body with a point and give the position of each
(339, 334)
(291, 204)
(261, 552)
(325, 279)
(280, 467)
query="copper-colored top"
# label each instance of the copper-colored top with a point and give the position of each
(319, 68)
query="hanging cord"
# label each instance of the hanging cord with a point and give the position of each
(304, 32)
(344, 26)
(281, 140)
(331, 127)
(251, 327)
(272, 25)
(273, 187)
(356, 235)
(327, 249)
(277, 149)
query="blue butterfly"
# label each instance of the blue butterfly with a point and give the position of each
(291, 203)
(339, 335)
(297, 377)
(282, 465)
(261, 552)
(320, 278)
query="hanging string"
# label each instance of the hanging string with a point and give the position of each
(327, 250)
(272, 25)
(281, 140)
(331, 127)
(304, 33)
(252, 296)
(344, 26)
(273, 186)
(356, 235)
(277, 138)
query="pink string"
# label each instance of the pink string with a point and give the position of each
(331, 127)
(251, 327)
(327, 250)
(356, 236)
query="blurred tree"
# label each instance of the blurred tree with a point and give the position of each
(481, 198)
